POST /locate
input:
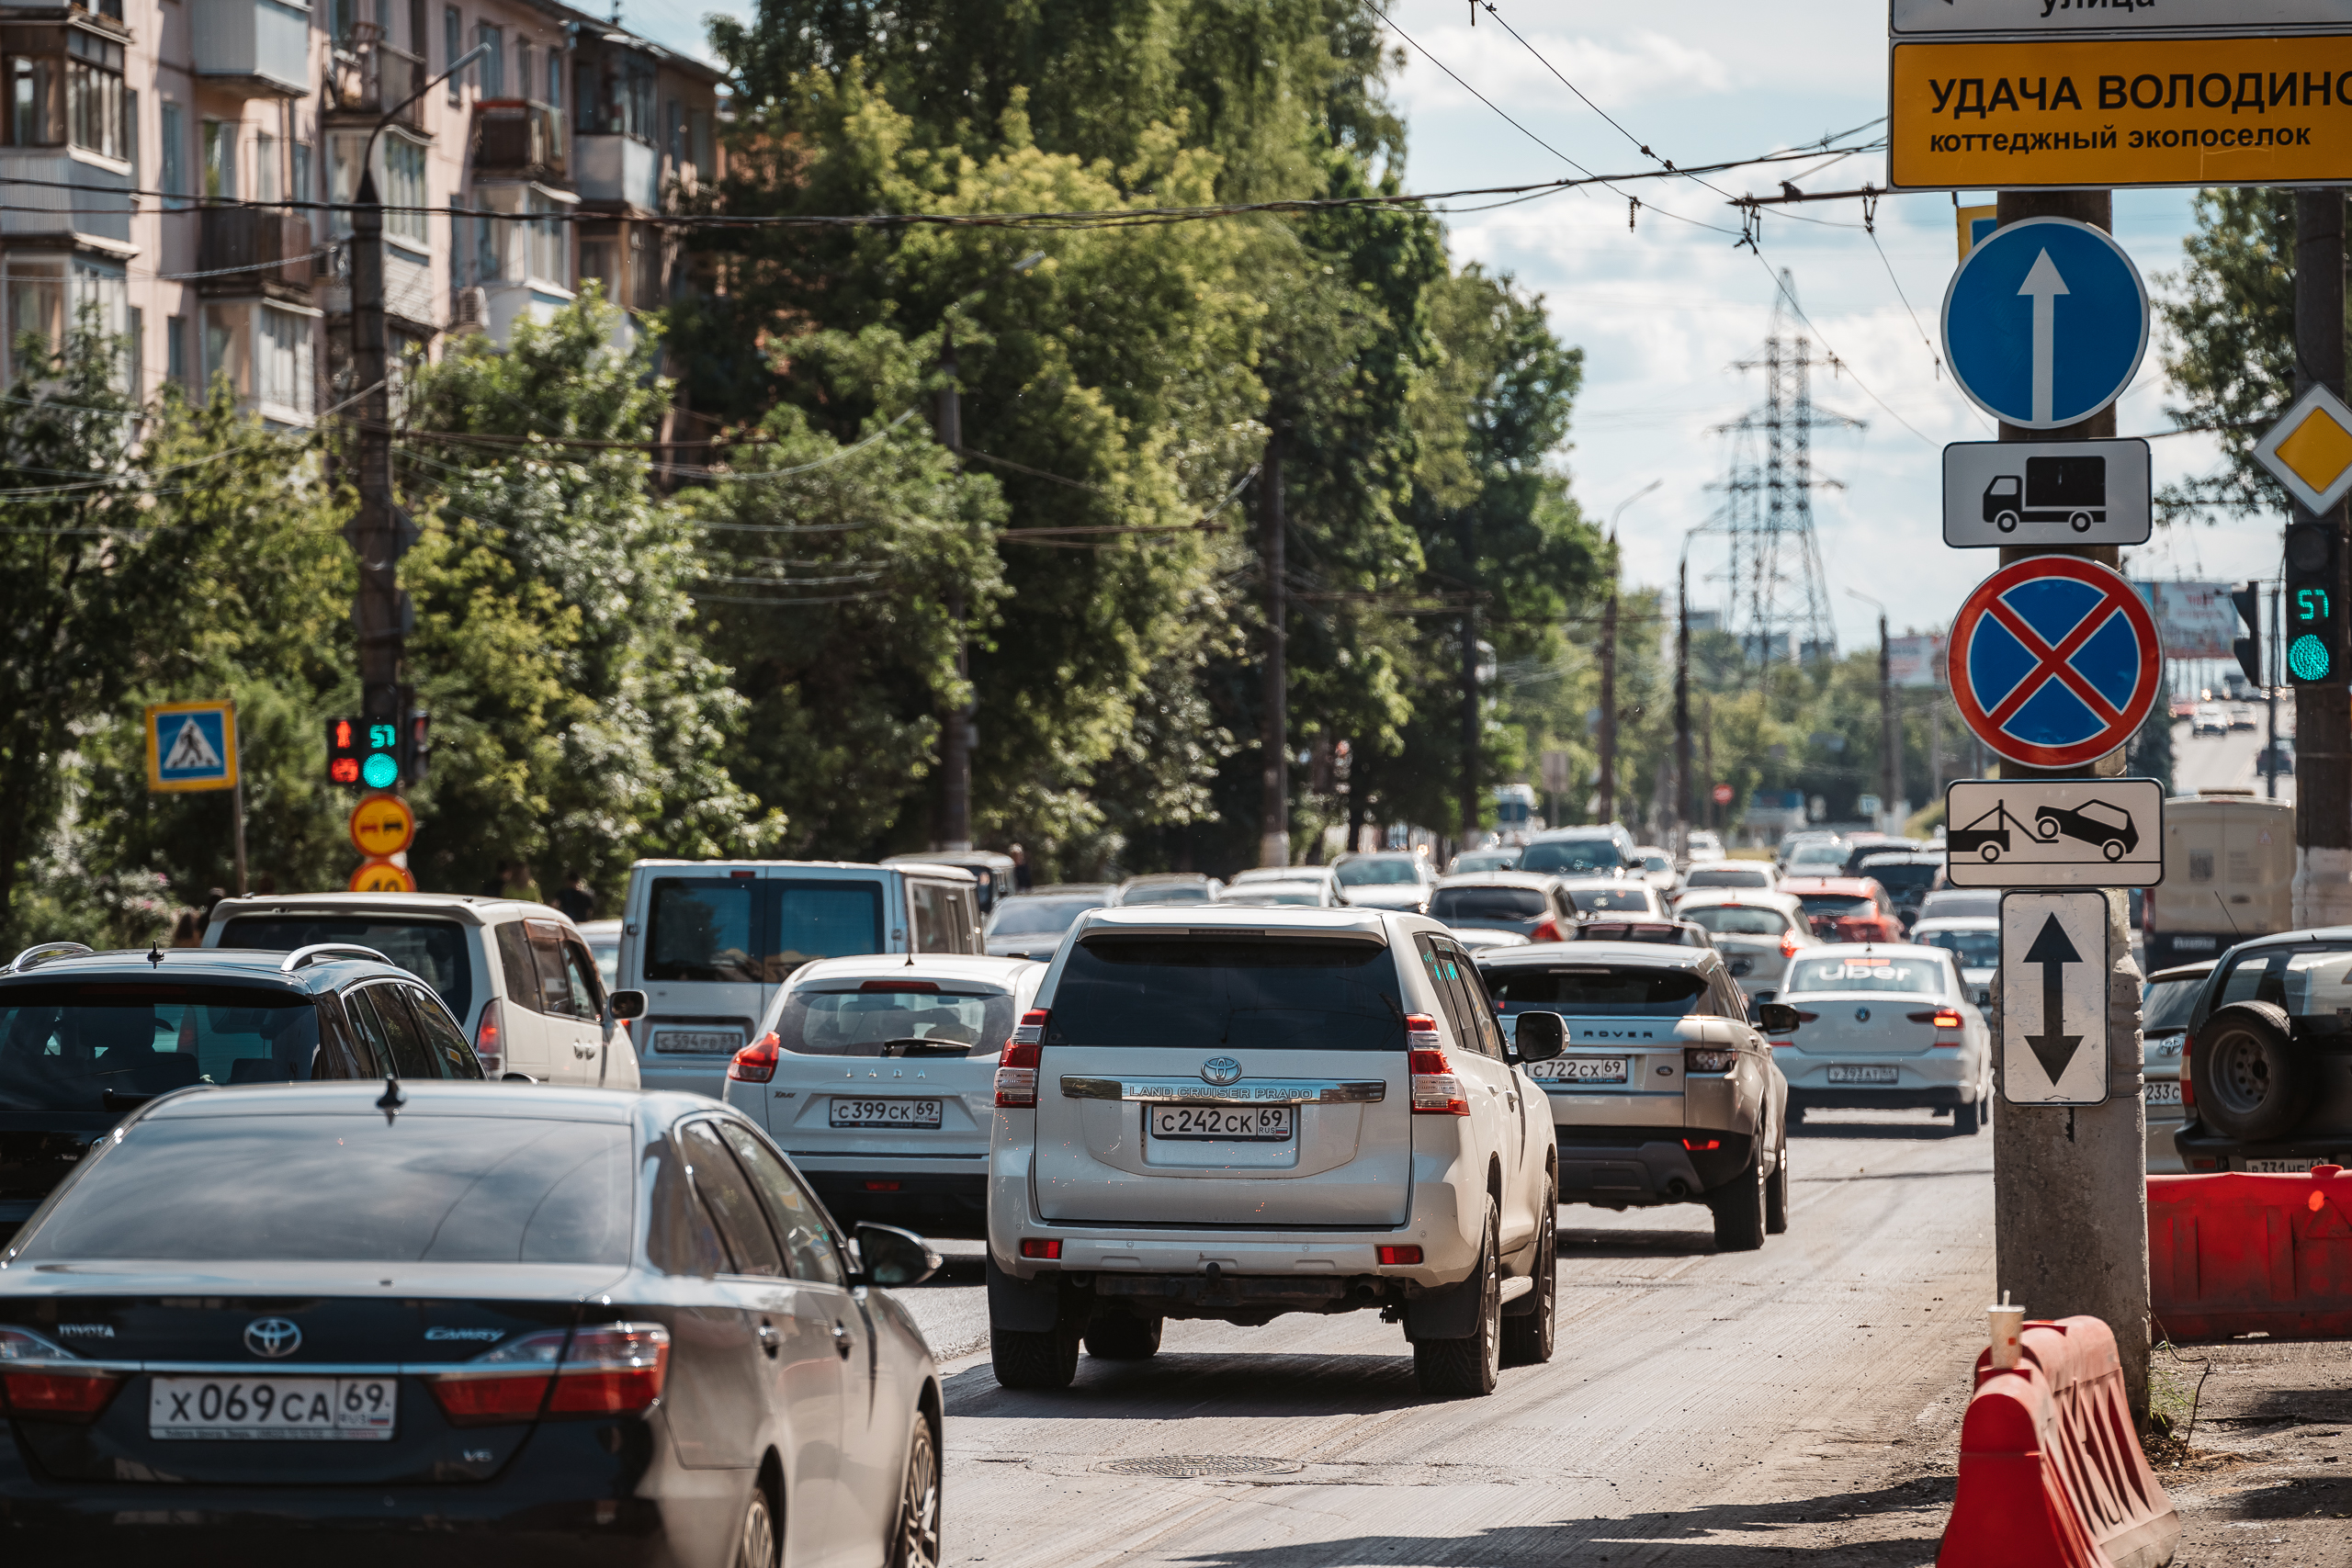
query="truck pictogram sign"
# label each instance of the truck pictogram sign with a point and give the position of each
(2053, 492)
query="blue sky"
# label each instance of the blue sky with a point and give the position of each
(1665, 310)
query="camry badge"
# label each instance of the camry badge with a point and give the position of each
(1220, 1070)
(1862, 1015)
(273, 1338)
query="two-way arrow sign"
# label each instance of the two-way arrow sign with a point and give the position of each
(2054, 998)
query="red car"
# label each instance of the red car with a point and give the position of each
(1845, 908)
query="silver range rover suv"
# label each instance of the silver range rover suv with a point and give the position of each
(1232, 1113)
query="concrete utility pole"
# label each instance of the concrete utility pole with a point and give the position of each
(1273, 725)
(1890, 732)
(1608, 665)
(1469, 681)
(1682, 780)
(956, 724)
(2323, 724)
(2070, 1191)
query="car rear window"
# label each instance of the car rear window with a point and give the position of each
(1597, 990)
(2306, 982)
(1039, 917)
(1169, 892)
(1397, 873)
(419, 1189)
(1598, 900)
(2169, 1003)
(1568, 857)
(1909, 977)
(70, 1046)
(1265, 993)
(1726, 877)
(885, 1019)
(439, 953)
(1902, 876)
(1836, 906)
(756, 930)
(1737, 919)
(1973, 950)
(1454, 904)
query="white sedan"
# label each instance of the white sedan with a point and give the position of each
(1884, 1026)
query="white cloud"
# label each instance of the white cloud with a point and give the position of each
(1645, 66)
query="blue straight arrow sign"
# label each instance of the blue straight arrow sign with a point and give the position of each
(2045, 323)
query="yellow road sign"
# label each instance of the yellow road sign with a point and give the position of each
(191, 746)
(1975, 222)
(2016, 116)
(382, 825)
(382, 876)
(2309, 449)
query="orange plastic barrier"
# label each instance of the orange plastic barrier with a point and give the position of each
(2242, 1253)
(2051, 1472)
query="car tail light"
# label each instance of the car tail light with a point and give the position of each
(1788, 945)
(2187, 1084)
(1421, 1034)
(1708, 1059)
(1702, 1146)
(1049, 1247)
(1016, 1070)
(1436, 1091)
(756, 1062)
(881, 1187)
(1547, 931)
(490, 1043)
(41, 1382)
(608, 1370)
(1391, 1257)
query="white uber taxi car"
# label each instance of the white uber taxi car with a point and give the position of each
(1885, 1026)
(1664, 1092)
(877, 1074)
(1233, 1114)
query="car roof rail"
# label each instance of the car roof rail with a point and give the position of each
(39, 952)
(320, 952)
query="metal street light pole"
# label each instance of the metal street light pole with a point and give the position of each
(1890, 732)
(1608, 665)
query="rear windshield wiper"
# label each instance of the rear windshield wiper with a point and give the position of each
(926, 1048)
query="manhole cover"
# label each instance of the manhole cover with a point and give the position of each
(1200, 1467)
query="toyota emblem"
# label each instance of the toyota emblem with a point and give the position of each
(273, 1338)
(1220, 1070)
(1862, 1015)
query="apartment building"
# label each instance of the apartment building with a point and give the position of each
(145, 141)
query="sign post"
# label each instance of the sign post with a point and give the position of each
(193, 746)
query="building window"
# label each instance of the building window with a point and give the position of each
(176, 349)
(405, 188)
(600, 262)
(453, 44)
(549, 241)
(299, 182)
(491, 69)
(94, 93)
(266, 167)
(282, 356)
(704, 155)
(130, 137)
(32, 105)
(137, 357)
(555, 80)
(522, 67)
(674, 135)
(36, 302)
(265, 353)
(221, 160)
(175, 134)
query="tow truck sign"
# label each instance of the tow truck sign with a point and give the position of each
(2054, 832)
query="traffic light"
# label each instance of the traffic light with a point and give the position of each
(2249, 648)
(2314, 611)
(416, 735)
(365, 754)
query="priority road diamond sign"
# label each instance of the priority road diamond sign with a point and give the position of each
(2054, 999)
(191, 746)
(2055, 661)
(2309, 449)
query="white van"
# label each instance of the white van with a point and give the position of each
(517, 977)
(710, 941)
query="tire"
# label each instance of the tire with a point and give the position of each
(2112, 850)
(1118, 1337)
(1469, 1369)
(2252, 1084)
(1041, 1359)
(1966, 1119)
(2046, 830)
(1738, 1208)
(1776, 1195)
(2081, 521)
(1988, 852)
(2006, 522)
(755, 1546)
(1528, 1338)
(914, 1539)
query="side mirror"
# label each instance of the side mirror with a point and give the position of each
(1775, 1018)
(626, 1005)
(1741, 967)
(1542, 1036)
(894, 1256)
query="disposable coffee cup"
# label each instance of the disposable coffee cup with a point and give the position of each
(2007, 1326)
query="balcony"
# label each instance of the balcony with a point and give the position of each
(259, 48)
(518, 139)
(366, 76)
(254, 252)
(618, 169)
(55, 193)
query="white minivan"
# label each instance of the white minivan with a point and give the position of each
(517, 977)
(709, 943)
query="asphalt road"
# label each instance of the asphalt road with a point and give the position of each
(1702, 1409)
(2224, 762)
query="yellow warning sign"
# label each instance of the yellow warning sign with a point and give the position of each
(2202, 111)
(382, 876)
(2309, 449)
(1975, 222)
(382, 825)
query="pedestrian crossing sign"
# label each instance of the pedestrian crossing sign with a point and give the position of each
(191, 746)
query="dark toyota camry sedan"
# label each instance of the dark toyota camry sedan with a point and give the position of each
(453, 1324)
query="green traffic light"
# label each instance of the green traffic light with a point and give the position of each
(382, 772)
(2306, 659)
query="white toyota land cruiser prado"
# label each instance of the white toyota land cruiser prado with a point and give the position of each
(1235, 1113)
